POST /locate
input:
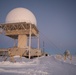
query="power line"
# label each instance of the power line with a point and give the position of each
(49, 42)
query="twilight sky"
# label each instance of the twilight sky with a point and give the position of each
(56, 21)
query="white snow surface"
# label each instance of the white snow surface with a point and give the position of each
(20, 15)
(49, 65)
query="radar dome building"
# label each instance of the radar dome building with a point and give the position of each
(20, 15)
(21, 24)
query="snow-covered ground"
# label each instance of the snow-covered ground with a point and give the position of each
(49, 65)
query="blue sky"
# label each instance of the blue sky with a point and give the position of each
(56, 21)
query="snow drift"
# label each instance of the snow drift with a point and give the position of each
(49, 65)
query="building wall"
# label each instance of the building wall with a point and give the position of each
(22, 41)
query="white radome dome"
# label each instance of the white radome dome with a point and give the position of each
(20, 15)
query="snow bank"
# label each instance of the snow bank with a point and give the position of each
(39, 66)
(73, 61)
(20, 62)
(30, 72)
(10, 64)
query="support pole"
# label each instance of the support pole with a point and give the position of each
(43, 47)
(1, 31)
(14, 42)
(38, 42)
(29, 41)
